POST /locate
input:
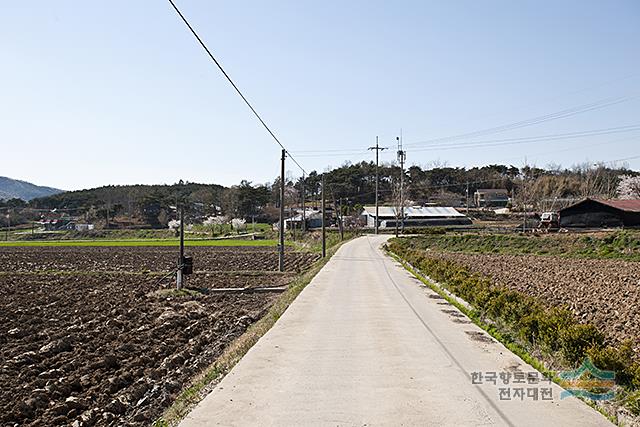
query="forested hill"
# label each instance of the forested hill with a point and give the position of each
(126, 195)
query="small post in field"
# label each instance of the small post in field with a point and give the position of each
(179, 274)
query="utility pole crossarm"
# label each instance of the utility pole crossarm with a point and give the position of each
(377, 148)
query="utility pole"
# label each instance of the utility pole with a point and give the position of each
(180, 272)
(281, 244)
(402, 156)
(341, 223)
(304, 207)
(324, 231)
(378, 149)
(467, 193)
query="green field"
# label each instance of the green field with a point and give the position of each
(145, 242)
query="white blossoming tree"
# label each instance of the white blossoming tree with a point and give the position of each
(629, 187)
(216, 222)
(239, 224)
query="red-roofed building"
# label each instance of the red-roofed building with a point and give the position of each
(597, 213)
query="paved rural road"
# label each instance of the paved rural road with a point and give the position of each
(366, 344)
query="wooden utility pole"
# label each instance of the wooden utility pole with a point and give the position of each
(378, 149)
(467, 195)
(304, 207)
(281, 244)
(324, 230)
(341, 223)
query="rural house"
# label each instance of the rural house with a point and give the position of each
(491, 197)
(415, 216)
(595, 213)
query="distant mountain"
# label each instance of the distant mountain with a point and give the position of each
(16, 189)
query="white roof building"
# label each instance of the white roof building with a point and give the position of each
(415, 216)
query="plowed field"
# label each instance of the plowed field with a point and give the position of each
(603, 292)
(82, 344)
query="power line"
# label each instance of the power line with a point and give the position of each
(215, 61)
(603, 103)
(531, 139)
(491, 143)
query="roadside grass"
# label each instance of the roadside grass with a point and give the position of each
(203, 383)
(141, 242)
(526, 326)
(623, 244)
(311, 241)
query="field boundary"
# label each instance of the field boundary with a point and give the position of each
(140, 242)
(206, 381)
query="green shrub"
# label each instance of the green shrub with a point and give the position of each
(617, 359)
(633, 402)
(576, 339)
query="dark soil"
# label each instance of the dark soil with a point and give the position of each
(136, 259)
(605, 293)
(99, 348)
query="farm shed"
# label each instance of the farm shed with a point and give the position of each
(601, 213)
(313, 220)
(415, 216)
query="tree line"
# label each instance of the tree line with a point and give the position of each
(350, 185)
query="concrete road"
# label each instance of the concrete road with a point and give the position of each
(367, 344)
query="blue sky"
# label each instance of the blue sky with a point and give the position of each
(119, 92)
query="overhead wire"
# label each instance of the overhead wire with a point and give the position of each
(253, 110)
(603, 103)
(491, 143)
(445, 141)
(531, 139)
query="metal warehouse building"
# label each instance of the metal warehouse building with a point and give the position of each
(416, 216)
(595, 213)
